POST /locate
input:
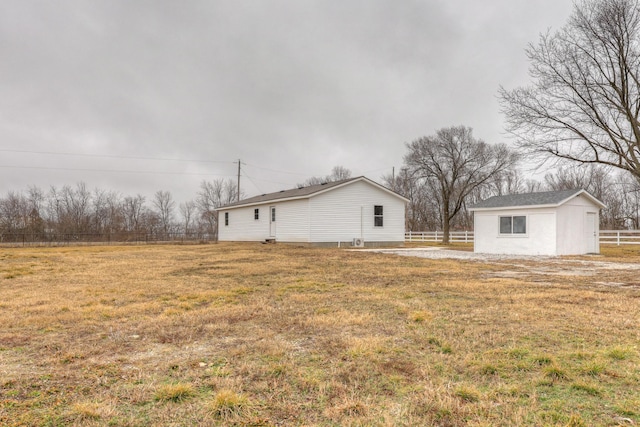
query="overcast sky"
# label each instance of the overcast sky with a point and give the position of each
(140, 96)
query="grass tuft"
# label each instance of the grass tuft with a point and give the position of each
(85, 411)
(555, 373)
(468, 394)
(420, 316)
(587, 388)
(619, 353)
(174, 392)
(228, 404)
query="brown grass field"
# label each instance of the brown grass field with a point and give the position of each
(262, 335)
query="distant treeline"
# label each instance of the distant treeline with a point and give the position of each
(76, 213)
(619, 191)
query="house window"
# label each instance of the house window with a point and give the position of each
(226, 218)
(273, 214)
(256, 214)
(377, 216)
(513, 224)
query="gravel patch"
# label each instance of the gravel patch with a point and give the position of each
(561, 262)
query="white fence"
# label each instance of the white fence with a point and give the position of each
(620, 237)
(607, 237)
(436, 236)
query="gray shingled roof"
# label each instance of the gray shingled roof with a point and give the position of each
(528, 199)
(287, 194)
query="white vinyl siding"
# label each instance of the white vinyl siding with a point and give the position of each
(348, 212)
(539, 239)
(555, 230)
(572, 221)
(339, 214)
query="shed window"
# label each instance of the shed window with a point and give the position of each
(513, 224)
(226, 218)
(377, 216)
(256, 214)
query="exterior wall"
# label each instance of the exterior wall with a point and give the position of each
(572, 227)
(540, 238)
(348, 212)
(338, 215)
(292, 222)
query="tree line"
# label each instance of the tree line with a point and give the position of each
(440, 188)
(78, 213)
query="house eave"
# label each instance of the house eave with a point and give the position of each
(309, 196)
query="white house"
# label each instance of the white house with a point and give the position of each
(355, 211)
(546, 223)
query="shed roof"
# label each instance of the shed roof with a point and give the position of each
(545, 198)
(304, 192)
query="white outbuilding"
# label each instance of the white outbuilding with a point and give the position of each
(352, 212)
(545, 223)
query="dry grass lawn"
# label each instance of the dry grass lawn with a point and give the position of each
(250, 334)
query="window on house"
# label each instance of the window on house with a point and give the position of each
(256, 214)
(226, 218)
(273, 214)
(377, 216)
(513, 224)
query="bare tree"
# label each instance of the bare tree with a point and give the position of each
(213, 195)
(187, 210)
(338, 173)
(133, 208)
(422, 211)
(163, 201)
(584, 102)
(454, 163)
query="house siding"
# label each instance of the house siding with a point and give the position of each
(572, 226)
(337, 214)
(540, 238)
(292, 222)
(562, 229)
(348, 212)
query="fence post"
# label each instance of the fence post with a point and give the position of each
(466, 236)
(618, 237)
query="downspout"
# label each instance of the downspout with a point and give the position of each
(361, 225)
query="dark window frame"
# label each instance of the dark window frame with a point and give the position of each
(256, 214)
(226, 219)
(378, 215)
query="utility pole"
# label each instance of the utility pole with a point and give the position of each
(238, 179)
(393, 178)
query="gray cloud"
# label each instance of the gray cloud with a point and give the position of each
(292, 86)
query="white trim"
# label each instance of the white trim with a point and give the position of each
(314, 194)
(549, 205)
(513, 235)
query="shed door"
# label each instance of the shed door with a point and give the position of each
(591, 233)
(272, 221)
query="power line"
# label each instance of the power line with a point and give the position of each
(112, 156)
(112, 170)
(274, 170)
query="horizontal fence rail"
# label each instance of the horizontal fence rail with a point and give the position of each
(436, 236)
(620, 237)
(59, 239)
(607, 237)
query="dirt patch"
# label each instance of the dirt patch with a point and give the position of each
(527, 266)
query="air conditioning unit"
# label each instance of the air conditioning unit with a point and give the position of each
(358, 242)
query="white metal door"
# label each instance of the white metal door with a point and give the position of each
(272, 221)
(591, 233)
